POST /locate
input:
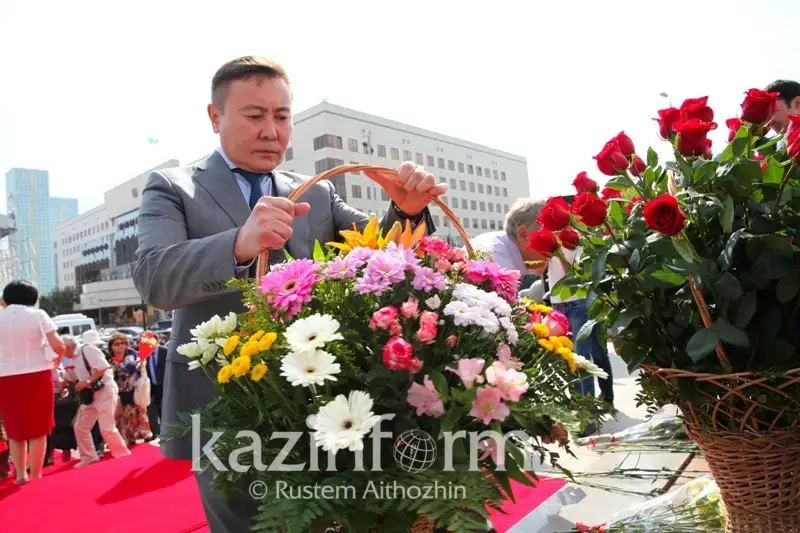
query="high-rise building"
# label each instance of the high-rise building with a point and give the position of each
(483, 181)
(36, 215)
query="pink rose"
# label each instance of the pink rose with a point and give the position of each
(383, 318)
(458, 255)
(416, 365)
(410, 308)
(557, 322)
(428, 328)
(443, 265)
(429, 319)
(451, 341)
(398, 354)
(395, 329)
(435, 247)
(427, 335)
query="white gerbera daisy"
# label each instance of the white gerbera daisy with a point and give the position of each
(343, 422)
(303, 369)
(584, 364)
(309, 334)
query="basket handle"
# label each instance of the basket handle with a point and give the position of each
(263, 257)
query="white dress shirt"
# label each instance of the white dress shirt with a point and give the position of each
(555, 272)
(503, 249)
(23, 333)
(96, 361)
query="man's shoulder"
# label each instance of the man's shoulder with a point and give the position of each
(181, 176)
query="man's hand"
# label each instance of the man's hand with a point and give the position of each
(412, 189)
(268, 227)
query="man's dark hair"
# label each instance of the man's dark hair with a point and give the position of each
(789, 90)
(241, 69)
(20, 292)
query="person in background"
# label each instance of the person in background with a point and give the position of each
(788, 103)
(156, 365)
(128, 368)
(90, 366)
(5, 470)
(66, 407)
(26, 382)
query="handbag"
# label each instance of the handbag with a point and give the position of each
(86, 395)
(141, 394)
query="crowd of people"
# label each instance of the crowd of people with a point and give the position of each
(62, 393)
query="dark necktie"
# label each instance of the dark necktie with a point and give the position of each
(254, 179)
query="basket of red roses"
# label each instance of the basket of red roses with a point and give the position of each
(696, 271)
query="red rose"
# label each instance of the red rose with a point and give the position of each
(398, 354)
(666, 118)
(759, 106)
(760, 157)
(637, 166)
(554, 215)
(590, 209)
(793, 138)
(609, 194)
(569, 238)
(664, 215)
(543, 241)
(635, 200)
(733, 125)
(625, 144)
(583, 183)
(693, 134)
(696, 108)
(611, 159)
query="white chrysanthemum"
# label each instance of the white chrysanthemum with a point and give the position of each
(584, 364)
(194, 365)
(201, 352)
(303, 369)
(215, 326)
(462, 313)
(309, 334)
(192, 350)
(511, 330)
(433, 302)
(342, 423)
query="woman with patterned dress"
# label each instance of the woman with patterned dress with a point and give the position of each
(131, 419)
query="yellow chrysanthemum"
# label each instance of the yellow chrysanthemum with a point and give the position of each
(257, 335)
(258, 372)
(249, 349)
(541, 308)
(547, 345)
(240, 366)
(541, 331)
(556, 341)
(267, 341)
(566, 342)
(569, 357)
(225, 374)
(230, 344)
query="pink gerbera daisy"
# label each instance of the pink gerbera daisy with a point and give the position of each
(288, 286)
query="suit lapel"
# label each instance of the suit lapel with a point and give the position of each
(218, 180)
(298, 243)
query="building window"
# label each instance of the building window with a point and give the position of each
(463, 203)
(466, 223)
(453, 183)
(480, 188)
(506, 208)
(494, 173)
(406, 155)
(369, 193)
(352, 145)
(441, 162)
(381, 150)
(384, 196)
(486, 172)
(442, 179)
(289, 154)
(454, 202)
(462, 185)
(502, 176)
(483, 206)
(505, 192)
(480, 171)
(475, 223)
(326, 164)
(483, 223)
(327, 141)
(492, 225)
(497, 206)
(469, 169)
(430, 161)
(473, 204)
(451, 165)
(491, 207)
(135, 192)
(436, 220)
(356, 191)
(461, 167)
(395, 154)
(419, 159)
(471, 186)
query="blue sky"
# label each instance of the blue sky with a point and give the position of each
(86, 83)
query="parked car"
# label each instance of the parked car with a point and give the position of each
(73, 324)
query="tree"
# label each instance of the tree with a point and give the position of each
(59, 301)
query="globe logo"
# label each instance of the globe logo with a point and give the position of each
(414, 451)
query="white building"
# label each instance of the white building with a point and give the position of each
(72, 242)
(483, 182)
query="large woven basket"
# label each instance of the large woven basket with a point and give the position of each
(422, 524)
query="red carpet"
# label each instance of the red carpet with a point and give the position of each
(146, 492)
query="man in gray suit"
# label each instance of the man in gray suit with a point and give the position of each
(201, 225)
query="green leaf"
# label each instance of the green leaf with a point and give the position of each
(747, 309)
(586, 330)
(779, 351)
(685, 167)
(288, 257)
(599, 268)
(685, 249)
(701, 344)
(740, 142)
(625, 319)
(787, 288)
(726, 258)
(774, 173)
(637, 360)
(439, 381)
(728, 286)
(664, 248)
(705, 172)
(451, 419)
(747, 172)
(652, 158)
(727, 214)
(731, 334)
(772, 264)
(665, 275)
(319, 254)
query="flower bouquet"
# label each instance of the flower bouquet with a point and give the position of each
(391, 383)
(695, 269)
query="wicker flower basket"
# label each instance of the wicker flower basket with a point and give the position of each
(755, 458)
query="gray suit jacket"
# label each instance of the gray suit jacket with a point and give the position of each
(188, 222)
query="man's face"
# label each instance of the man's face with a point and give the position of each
(255, 124)
(779, 121)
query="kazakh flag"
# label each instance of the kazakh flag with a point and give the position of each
(150, 140)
